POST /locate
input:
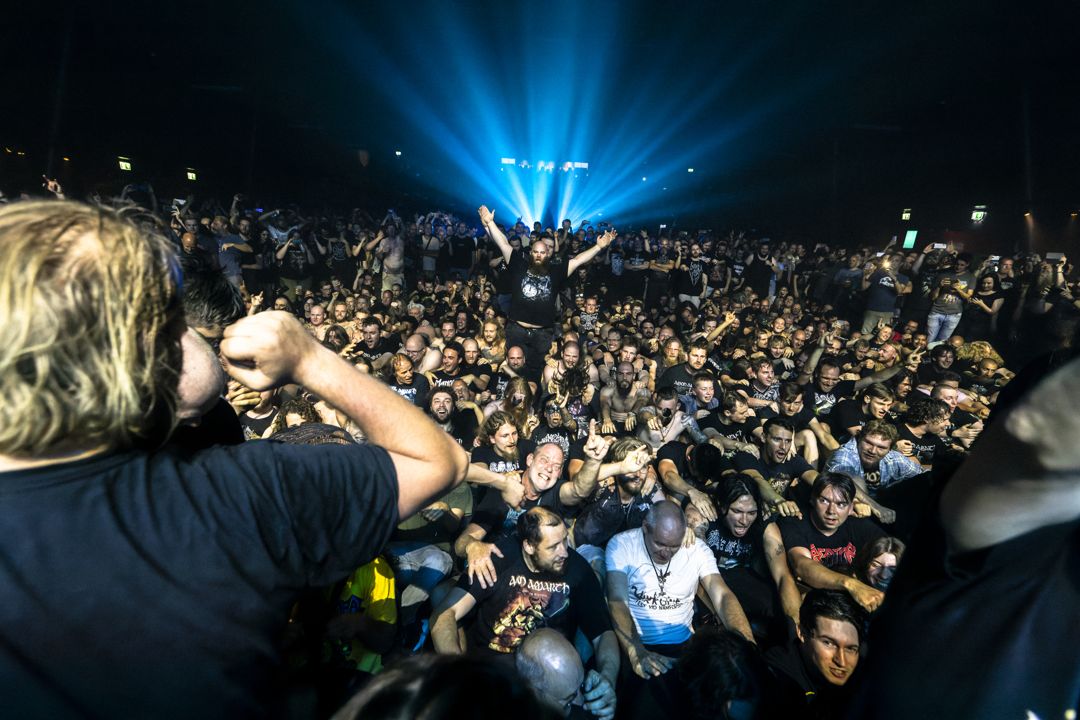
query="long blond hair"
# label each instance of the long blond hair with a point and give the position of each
(90, 326)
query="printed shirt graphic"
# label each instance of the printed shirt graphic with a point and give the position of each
(533, 301)
(661, 615)
(822, 402)
(522, 601)
(734, 552)
(536, 287)
(836, 551)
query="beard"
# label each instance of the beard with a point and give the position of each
(538, 268)
(623, 388)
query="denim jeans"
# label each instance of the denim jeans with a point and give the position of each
(939, 327)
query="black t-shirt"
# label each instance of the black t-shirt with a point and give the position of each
(675, 451)
(486, 455)
(478, 370)
(770, 393)
(382, 347)
(800, 420)
(415, 392)
(926, 447)
(690, 277)
(533, 300)
(461, 249)
(499, 520)
(522, 601)
(740, 432)
(836, 551)
(759, 275)
(463, 426)
(735, 552)
(821, 403)
(679, 377)
(441, 378)
(779, 476)
(604, 516)
(254, 427)
(498, 383)
(846, 413)
(151, 585)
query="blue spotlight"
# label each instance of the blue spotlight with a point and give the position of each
(566, 99)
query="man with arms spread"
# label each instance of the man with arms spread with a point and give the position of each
(153, 533)
(536, 282)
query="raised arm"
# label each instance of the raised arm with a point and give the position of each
(583, 257)
(272, 348)
(487, 219)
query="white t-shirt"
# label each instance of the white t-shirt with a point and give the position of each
(662, 617)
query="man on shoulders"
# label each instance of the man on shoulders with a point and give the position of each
(536, 282)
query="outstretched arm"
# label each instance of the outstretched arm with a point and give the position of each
(583, 257)
(487, 219)
(726, 605)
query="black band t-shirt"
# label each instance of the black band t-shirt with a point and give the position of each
(522, 601)
(533, 300)
(836, 551)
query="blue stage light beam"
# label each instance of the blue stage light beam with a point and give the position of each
(471, 84)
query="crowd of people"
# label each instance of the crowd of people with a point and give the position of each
(647, 475)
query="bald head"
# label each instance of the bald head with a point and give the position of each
(663, 529)
(551, 667)
(515, 357)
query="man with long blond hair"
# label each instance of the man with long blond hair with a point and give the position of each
(138, 582)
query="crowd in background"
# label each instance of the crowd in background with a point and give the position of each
(696, 459)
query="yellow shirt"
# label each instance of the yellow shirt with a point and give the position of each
(370, 590)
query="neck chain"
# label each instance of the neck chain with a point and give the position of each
(661, 577)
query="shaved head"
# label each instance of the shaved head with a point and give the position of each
(551, 666)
